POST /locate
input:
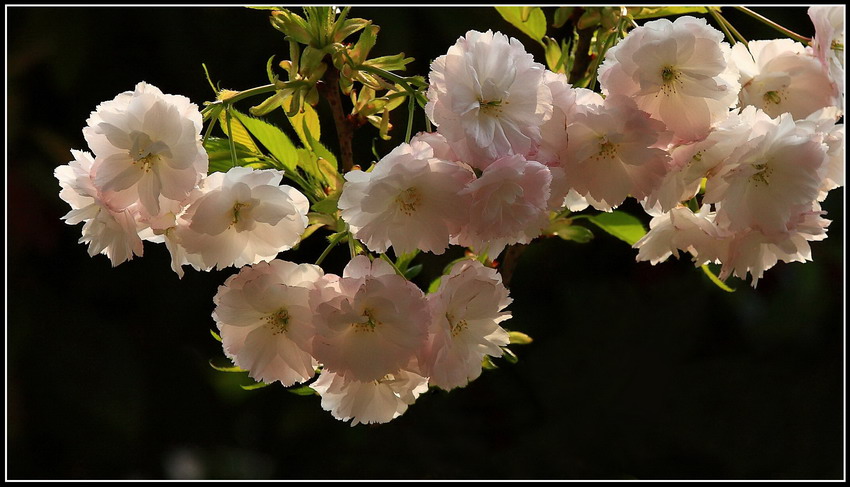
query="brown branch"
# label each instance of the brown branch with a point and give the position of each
(329, 88)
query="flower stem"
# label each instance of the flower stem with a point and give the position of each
(765, 20)
(728, 27)
(259, 90)
(334, 240)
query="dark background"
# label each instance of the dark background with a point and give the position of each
(636, 372)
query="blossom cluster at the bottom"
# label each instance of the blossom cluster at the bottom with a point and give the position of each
(376, 338)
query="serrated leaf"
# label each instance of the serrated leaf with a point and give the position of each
(272, 138)
(251, 387)
(716, 280)
(535, 24)
(621, 225)
(305, 120)
(226, 369)
(240, 135)
(218, 151)
(519, 338)
(303, 391)
(654, 12)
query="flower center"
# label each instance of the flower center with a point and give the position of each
(669, 79)
(147, 161)
(237, 207)
(773, 97)
(607, 149)
(762, 174)
(277, 321)
(836, 45)
(367, 326)
(408, 200)
(491, 107)
(456, 327)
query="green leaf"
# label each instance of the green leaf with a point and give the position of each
(564, 228)
(226, 369)
(435, 284)
(319, 149)
(716, 280)
(519, 338)
(306, 120)
(562, 14)
(534, 26)
(218, 151)
(328, 206)
(621, 225)
(251, 387)
(240, 135)
(273, 138)
(554, 55)
(653, 12)
(413, 271)
(303, 391)
(508, 355)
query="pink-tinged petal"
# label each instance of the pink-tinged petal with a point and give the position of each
(116, 172)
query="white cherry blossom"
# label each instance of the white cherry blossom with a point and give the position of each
(410, 200)
(780, 76)
(677, 71)
(146, 144)
(487, 96)
(242, 217)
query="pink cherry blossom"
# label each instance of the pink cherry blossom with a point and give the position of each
(764, 180)
(369, 323)
(265, 320)
(466, 311)
(613, 154)
(828, 43)
(367, 402)
(509, 205)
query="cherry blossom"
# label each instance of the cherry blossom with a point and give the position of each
(108, 231)
(509, 205)
(781, 76)
(369, 323)
(487, 97)
(242, 217)
(367, 402)
(613, 154)
(146, 144)
(265, 320)
(678, 72)
(410, 200)
(466, 311)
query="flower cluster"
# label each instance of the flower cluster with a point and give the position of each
(730, 149)
(379, 339)
(147, 180)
